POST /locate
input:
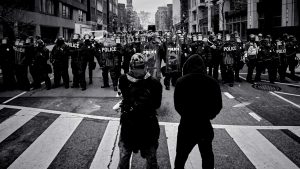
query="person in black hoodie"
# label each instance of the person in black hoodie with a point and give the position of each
(197, 98)
(142, 95)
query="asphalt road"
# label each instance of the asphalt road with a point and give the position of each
(70, 128)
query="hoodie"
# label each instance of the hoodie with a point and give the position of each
(140, 127)
(197, 96)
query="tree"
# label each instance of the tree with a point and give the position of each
(11, 17)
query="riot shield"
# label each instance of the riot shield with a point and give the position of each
(150, 52)
(173, 58)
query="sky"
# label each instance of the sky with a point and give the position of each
(147, 5)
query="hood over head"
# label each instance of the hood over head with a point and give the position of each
(194, 64)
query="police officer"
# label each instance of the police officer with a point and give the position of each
(291, 50)
(75, 59)
(87, 54)
(229, 54)
(238, 59)
(60, 60)
(112, 59)
(7, 60)
(251, 51)
(39, 68)
(217, 55)
(171, 71)
(22, 58)
(281, 52)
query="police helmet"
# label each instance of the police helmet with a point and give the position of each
(40, 43)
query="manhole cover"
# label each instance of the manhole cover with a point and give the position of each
(266, 87)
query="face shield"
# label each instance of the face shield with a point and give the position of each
(227, 37)
(4, 41)
(200, 37)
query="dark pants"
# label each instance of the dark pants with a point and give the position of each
(186, 140)
(8, 73)
(251, 65)
(75, 72)
(82, 81)
(149, 154)
(61, 72)
(39, 75)
(227, 73)
(216, 66)
(114, 75)
(282, 67)
(292, 63)
(22, 78)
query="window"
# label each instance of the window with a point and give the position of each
(194, 15)
(110, 7)
(80, 15)
(47, 7)
(99, 5)
(66, 12)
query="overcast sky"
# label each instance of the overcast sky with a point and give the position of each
(147, 5)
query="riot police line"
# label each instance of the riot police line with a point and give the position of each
(165, 55)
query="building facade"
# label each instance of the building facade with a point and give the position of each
(121, 17)
(161, 19)
(244, 16)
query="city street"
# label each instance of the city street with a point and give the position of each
(70, 128)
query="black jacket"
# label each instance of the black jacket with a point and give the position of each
(140, 127)
(197, 96)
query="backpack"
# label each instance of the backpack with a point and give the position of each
(139, 96)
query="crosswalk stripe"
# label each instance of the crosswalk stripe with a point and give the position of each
(108, 143)
(194, 160)
(171, 132)
(13, 123)
(40, 154)
(295, 131)
(261, 152)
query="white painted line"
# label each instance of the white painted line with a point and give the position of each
(259, 150)
(103, 154)
(171, 133)
(288, 84)
(228, 95)
(284, 99)
(290, 94)
(63, 113)
(194, 160)
(173, 124)
(243, 78)
(255, 116)
(296, 131)
(40, 154)
(14, 98)
(116, 155)
(15, 122)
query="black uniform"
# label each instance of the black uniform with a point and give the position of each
(291, 50)
(60, 61)
(39, 67)
(252, 50)
(217, 58)
(7, 61)
(22, 59)
(75, 63)
(281, 52)
(229, 53)
(112, 62)
(172, 70)
(86, 55)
